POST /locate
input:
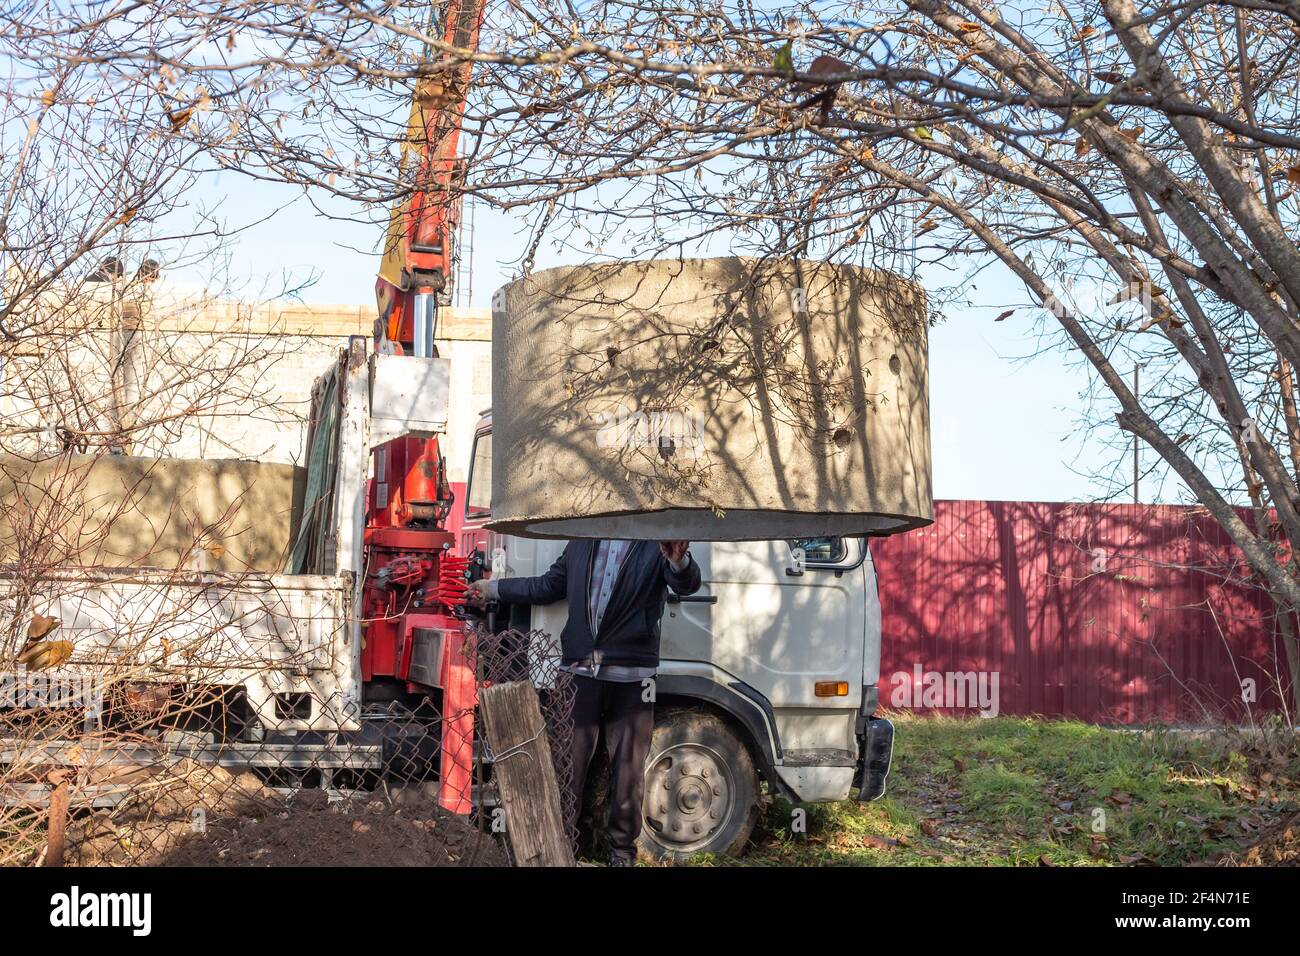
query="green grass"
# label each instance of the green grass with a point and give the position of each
(1011, 792)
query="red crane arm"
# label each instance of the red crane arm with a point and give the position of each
(418, 249)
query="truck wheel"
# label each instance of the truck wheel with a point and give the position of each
(701, 789)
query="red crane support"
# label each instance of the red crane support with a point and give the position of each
(412, 580)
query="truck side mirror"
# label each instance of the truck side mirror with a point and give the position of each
(797, 563)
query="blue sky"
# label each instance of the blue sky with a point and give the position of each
(1004, 412)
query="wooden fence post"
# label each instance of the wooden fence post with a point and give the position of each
(525, 775)
(58, 818)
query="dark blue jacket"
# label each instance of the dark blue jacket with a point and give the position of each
(629, 630)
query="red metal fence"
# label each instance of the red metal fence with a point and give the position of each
(1103, 612)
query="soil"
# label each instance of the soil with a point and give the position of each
(1273, 763)
(218, 819)
(1278, 846)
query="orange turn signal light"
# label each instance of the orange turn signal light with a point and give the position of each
(832, 688)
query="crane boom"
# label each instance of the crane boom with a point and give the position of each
(413, 592)
(416, 270)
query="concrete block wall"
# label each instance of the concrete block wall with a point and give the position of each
(214, 379)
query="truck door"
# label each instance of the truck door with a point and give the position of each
(686, 632)
(789, 621)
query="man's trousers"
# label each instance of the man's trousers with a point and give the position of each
(628, 721)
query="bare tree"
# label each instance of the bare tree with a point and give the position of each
(1132, 165)
(102, 357)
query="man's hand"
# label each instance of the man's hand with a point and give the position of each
(674, 551)
(476, 595)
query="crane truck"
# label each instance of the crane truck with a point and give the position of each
(769, 676)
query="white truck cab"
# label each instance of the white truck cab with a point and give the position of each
(770, 671)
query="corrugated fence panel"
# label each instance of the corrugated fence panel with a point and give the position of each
(1109, 612)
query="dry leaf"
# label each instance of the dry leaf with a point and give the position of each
(40, 626)
(45, 654)
(1004, 315)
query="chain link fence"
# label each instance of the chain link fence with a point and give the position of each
(153, 773)
(532, 656)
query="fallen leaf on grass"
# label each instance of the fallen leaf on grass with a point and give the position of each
(1138, 859)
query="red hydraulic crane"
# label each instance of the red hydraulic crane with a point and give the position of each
(413, 581)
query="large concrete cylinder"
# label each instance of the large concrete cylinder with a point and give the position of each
(710, 399)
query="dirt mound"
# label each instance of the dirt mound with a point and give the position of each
(1279, 846)
(215, 818)
(311, 831)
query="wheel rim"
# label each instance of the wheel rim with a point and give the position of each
(689, 796)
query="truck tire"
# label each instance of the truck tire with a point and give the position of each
(701, 788)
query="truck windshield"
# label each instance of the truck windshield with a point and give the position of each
(478, 496)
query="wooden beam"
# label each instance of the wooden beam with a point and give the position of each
(525, 775)
(58, 820)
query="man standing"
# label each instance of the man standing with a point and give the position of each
(616, 592)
